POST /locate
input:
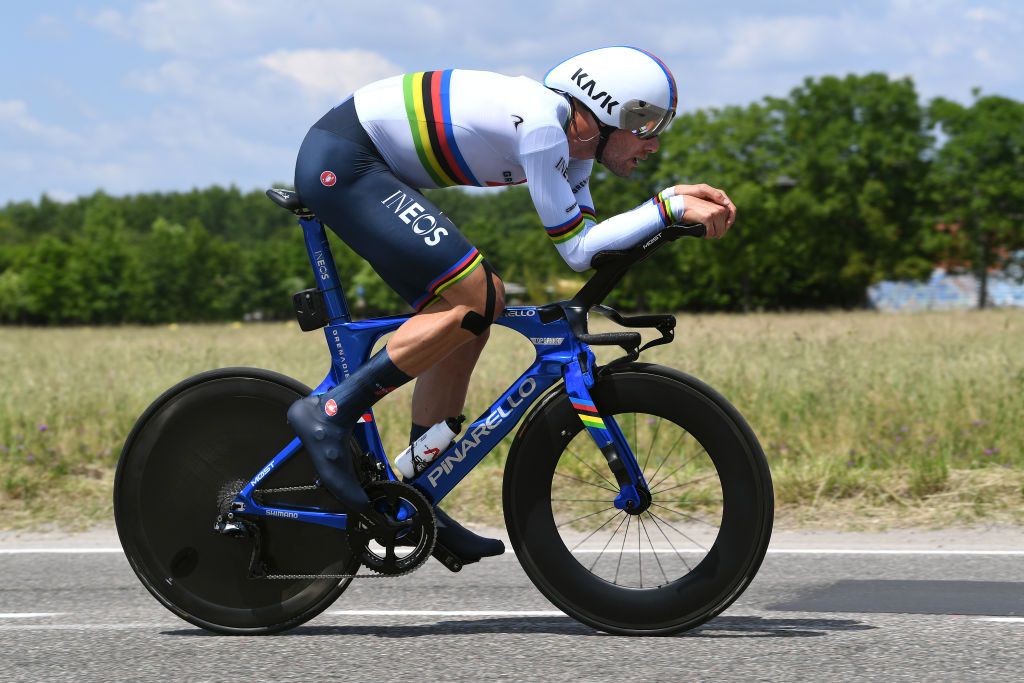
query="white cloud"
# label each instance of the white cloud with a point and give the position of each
(176, 77)
(985, 14)
(14, 115)
(332, 73)
(194, 92)
(194, 28)
(759, 42)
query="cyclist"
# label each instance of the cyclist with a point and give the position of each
(360, 168)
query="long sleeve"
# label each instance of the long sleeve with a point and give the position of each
(560, 189)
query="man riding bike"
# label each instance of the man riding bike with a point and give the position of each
(360, 167)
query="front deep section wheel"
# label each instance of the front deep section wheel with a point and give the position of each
(661, 569)
(184, 460)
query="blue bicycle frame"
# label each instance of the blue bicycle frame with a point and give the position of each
(561, 355)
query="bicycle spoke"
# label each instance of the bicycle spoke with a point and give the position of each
(559, 526)
(669, 475)
(683, 514)
(670, 451)
(636, 435)
(686, 483)
(595, 531)
(584, 481)
(653, 550)
(674, 528)
(671, 545)
(608, 543)
(625, 536)
(580, 500)
(587, 465)
(639, 555)
(650, 448)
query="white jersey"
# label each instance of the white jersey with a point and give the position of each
(456, 127)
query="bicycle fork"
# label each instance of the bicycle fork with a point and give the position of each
(634, 494)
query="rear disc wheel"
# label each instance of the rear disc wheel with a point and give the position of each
(186, 456)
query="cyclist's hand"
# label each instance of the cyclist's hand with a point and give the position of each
(715, 217)
(710, 195)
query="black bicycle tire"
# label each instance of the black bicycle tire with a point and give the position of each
(284, 389)
(538, 445)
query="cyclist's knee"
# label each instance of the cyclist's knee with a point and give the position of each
(486, 304)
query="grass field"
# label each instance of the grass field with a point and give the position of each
(867, 420)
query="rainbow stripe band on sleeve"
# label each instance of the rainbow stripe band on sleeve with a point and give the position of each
(661, 201)
(588, 213)
(588, 413)
(567, 230)
(428, 107)
(461, 269)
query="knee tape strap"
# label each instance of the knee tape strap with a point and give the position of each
(473, 321)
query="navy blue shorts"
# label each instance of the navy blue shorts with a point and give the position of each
(415, 248)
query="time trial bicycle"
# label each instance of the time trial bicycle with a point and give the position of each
(636, 498)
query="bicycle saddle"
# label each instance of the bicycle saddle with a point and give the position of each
(289, 200)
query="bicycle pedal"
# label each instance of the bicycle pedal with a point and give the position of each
(449, 559)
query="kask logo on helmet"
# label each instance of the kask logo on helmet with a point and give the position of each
(608, 104)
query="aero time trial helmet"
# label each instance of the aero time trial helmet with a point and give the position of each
(625, 87)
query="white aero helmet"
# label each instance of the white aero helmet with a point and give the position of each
(625, 87)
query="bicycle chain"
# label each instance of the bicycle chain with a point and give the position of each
(315, 577)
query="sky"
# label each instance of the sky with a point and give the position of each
(164, 95)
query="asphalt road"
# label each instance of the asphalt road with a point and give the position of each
(842, 613)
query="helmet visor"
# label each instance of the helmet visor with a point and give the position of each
(646, 120)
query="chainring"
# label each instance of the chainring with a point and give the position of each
(397, 535)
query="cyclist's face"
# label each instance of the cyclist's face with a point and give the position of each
(625, 150)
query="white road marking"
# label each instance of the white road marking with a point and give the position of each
(176, 625)
(58, 551)
(28, 615)
(93, 627)
(868, 551)
(810, 551)
(442, 613)
(628, 551)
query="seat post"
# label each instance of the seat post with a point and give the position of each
(324, 270)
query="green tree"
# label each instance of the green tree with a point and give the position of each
(45, 276)
(978, 176)
(97, 265)
(14, 296)
(859, 163)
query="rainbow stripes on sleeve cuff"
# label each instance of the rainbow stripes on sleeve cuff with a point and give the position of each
(572, 227)
(461, 269)
(567, 230)
(428, 106)
(664, 207)
(588, 413)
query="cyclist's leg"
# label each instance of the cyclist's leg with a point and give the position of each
(441, 390)
(431, 336)
(441, 387)
(418, 251)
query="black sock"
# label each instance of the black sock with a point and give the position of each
(416, 432)
(374, 380)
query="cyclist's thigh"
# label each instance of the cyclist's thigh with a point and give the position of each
(415, 248)
(472, 291)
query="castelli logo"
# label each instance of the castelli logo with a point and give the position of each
(327, 179)
(331, 408)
